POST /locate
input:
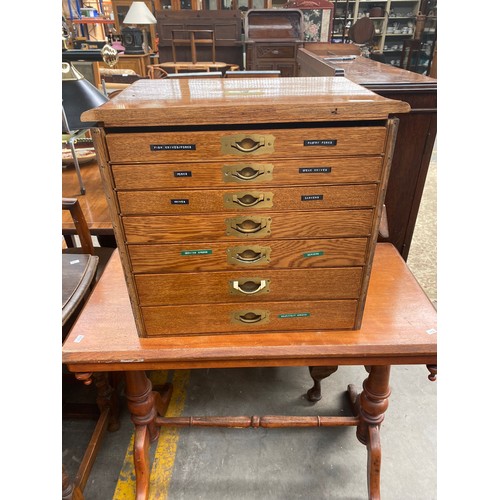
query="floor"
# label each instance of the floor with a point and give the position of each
(280, 464)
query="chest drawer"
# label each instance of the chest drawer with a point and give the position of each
(220, 145)
(240, 286)
(272, 51)
(221, 227)
(221, 174)
(281, 254)
(205, 201)
(250, 317)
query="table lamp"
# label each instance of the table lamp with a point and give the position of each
(134, 39)
(78, 95)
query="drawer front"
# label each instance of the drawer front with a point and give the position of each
(249, 200)
(208, 145)
(242, 286)
(283, 254)
(279, 173)
(275, 51)
(224, 227)
(251, 317)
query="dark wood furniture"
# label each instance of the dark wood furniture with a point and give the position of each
(398, 328)
(81, 269)
(416, 135)
(214, 220)
(272, 37)
(78, 273)
(93, 204)
(227, 26)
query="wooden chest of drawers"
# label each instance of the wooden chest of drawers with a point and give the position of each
(273, 37)
(246, 205)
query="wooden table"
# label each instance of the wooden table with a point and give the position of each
(93, 203)
(399, 327)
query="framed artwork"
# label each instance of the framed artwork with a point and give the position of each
(318, 18)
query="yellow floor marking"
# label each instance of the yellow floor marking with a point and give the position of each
(163, 464)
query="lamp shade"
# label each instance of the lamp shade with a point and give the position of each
(139, 14)
(78, 95)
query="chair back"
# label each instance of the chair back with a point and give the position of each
(81, 226)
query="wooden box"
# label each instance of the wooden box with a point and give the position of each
(248, 205)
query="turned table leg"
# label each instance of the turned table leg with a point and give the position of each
(141, 404)
(144, 405)
(318, 373)
(372, 404)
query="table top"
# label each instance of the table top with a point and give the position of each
(93, 202)
(365, 71)
(243, 101)
(399, 327)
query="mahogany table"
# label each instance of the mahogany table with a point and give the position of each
(399, 327)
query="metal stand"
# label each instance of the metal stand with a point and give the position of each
(69, 137)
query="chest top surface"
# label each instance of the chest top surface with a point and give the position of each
(251, 101)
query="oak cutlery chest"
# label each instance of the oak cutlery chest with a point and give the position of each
(246, 205)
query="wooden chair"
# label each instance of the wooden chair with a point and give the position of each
(410, 54)
(192, 39)
(272, 73)
(82, 267)
(157, 72)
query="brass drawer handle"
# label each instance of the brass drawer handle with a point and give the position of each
(248, 255)
(255, 316)
(248, 145)
(249, 226)
(247, 173)
(250, 317)
(252, 226)
(250, 286)
(248, 200)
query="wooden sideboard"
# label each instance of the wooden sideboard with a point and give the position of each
(417, 129)
(135, 62)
